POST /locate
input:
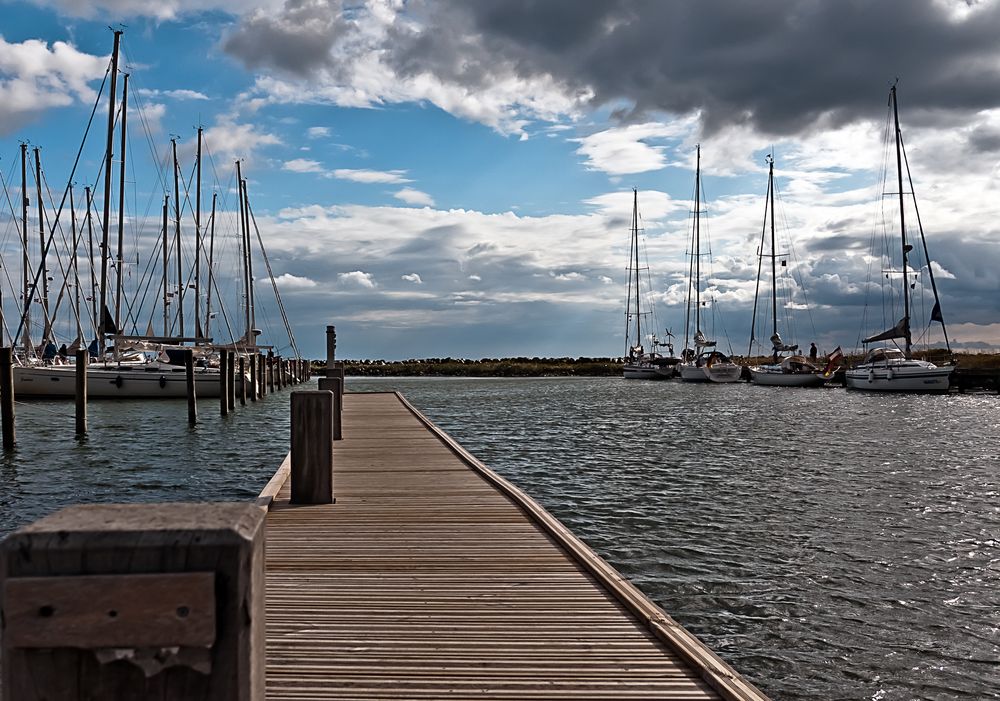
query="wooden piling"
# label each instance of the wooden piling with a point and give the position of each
(224, 382)
(335, 385)
(312, 447)
(331, 347)
(189, 381)
(252, 359)
(261, 376)
(7, 398)
(242, 364)
(82, 364)
(280, 371)
(231, 381)
(270, 372)
(153, 601)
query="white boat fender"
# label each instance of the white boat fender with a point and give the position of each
(163, 381)
(871, 375)
(888, 374)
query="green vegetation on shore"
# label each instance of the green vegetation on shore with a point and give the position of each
(559, 367)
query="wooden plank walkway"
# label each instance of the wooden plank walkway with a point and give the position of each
(432, 577)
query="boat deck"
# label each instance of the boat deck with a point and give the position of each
(433, 577)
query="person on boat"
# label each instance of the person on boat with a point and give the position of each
(63, 351)
(49, 353)
(93, 348)
(813, 352)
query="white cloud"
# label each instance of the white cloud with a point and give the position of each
(230, 141)
(370, 176)
(34, 78)
(413, 277)
(287, 281)
(412, 196)
(358, 278)
(623, 150)
(302, 165)
(317, 132)
(174, 94)
(161, 9)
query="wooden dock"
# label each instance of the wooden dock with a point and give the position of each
(433, 577)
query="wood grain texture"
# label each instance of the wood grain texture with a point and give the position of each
(312, 448)
(428, 580)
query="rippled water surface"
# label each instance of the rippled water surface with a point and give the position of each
(829, 545)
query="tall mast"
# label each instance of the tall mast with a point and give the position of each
(166, 266)
(75, 265)
(109, 154)
(47, 329)
(120, 262)
(90, 239)
(177, 241)
(902, 224)
(25, 294)
(635, 252)
(243, 240)
(250, 297)
(211, 256)
(697, 242)
(197, 243)
(774, 270)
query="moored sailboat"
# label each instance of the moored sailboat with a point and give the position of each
(891, 368)
(789, 370)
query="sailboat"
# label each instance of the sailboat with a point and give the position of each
(891, 368)
(705, 363)
(792, 370)
(640, 364)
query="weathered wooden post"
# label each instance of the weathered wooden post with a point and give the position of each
(224, 382)
(231, 381)
(312, 447)
(189, 381)
(82, 363)
(243, 380)
(135, 601)
(331, 348)
(261, 375)
(7, 400)
(270, 372)
(252, 359)
(337, 371)
(281, 372)
(335, 385)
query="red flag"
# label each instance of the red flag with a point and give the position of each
(833, 362)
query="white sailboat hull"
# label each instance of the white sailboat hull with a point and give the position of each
(138, 381)
(906, 376)
(778, 378)
(720, 373)
(641, 372)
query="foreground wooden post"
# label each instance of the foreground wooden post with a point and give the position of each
(82, 363)
(189, 380)
(7, 398)
(224, 382)
(312, 447)
(337, 371)
(113, 601)
(335, 385)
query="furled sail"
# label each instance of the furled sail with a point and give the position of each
(778, 345)
(900, 330)
(701, 341)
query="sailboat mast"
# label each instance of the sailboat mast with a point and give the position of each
(635, 249)
(774, 270)
(109, 155)
(251, 338)
(47, 332)
(75, 265)
(197, 241)
(246, 253)
(902, 224)
(120, 260)
(697, 242)
(25, 294)
(90, 239)
(211, 256)
(166, 265)
(177, 240)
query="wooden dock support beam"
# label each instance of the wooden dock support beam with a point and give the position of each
(242, 364)
(335, 385)
(312, 447)
(113, 601)
(231, 380)
(224, 382)
(252, 360)
(270, 372)
(190, 383)
(7, 398)
(82, 363)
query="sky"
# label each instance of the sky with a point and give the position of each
(441, 178)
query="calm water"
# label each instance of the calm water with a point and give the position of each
(830, 545)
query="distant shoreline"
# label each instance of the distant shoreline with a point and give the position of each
(560, 367)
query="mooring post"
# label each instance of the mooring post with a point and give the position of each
(243, 380)
(270, 372)
(82, 364)
(331, 348)
(312, 447)
(252, 360)
(224, 382)
(130, 601)
(261, 375)
(281, 372)
(337, 371)
(189, 381)
(335, 385)
(7, 400)
(231, 381)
